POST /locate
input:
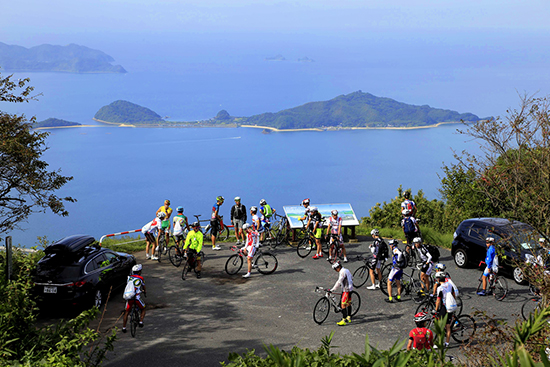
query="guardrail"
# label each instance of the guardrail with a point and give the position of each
(119, 234)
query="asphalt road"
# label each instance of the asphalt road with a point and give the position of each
(198, 322)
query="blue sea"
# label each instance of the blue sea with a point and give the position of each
(122, 175)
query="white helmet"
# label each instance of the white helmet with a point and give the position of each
(237, 198)
(336, 264)
(440, 275)
(161, 215)
(253, 209)
(490, 239)
(334, 212)
(246, 226)
(440, 267)
(263, 202)
(417, 240)
(305, 201)
(137, 268)
(313, 209)
(374, 232)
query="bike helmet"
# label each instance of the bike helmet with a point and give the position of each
(393, 243)
(237, 198)
(137, 268)
(161, 215)
(314, 209)
(407, 195)
(246, 226)
(440, 267)
(263, 202)
(490, 239)
(337, 264)
(253, 209)
(421, 317)
(305, 201)
(440, 275)
(417, 240)
(180, 209)
(334, 212)
(374, 232)
(405, 212)
(220, 198)
(542, 240)
(195, 224)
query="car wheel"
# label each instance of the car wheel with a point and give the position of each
(518, 275)
(461, 258)
(98, 299)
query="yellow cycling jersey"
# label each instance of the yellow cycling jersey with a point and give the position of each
(194, 241)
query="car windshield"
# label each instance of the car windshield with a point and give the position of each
(525, 238)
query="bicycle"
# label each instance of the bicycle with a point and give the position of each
(135, 315)
(428, 305)
(322, 307)
(409, 286)
(308, 243)
(532, 304)
(336, 247)
(498, 286)
(463, 327)
(264, 261)
(362, 274)
(223, 232)
(270, 238)
(410, 254)
(175, 254)
(162, 247)
(282, 230)
(191, 263)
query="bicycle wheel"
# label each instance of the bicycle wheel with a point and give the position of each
(234, 264)
(223, 234)
(529, 306)
(266, 262)
(355, 302)
(325, 245)
(501, 288)
(411, 258)
(282, 235)
(414, 289)
(386, 271)
(186, 268)
(463, 328)
(161, 246)
(361, 276)
(134, 320)
(321, 310)
(427, 306)
(175, 259)
(304, 247)
(459, 306)
(384, 287)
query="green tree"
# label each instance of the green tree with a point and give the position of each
(26, 185)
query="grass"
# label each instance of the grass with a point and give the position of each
(429, 235)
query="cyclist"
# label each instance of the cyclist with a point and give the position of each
(151, 231)
(443, 306)
(305, 204)
(335, 227)
(179, 222)
(379, 257)
(489, 262)
(257, 222)
(139, 287)
(399, 263)
(215, 220)
(238, 219)
(408, 203)
(421, 337)
(266, 210)
(193, 243)
(314, 223)
(166, 222)
(440, 267)
(249, 249)
(427, 265)
(345, 281)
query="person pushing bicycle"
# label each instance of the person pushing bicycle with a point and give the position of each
(490, 262)
(193, 243)
(249, 249)
(139, 287)
(335, 227)
(345, 281)
(379, 251)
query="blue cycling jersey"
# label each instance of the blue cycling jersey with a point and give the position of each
(490, 257)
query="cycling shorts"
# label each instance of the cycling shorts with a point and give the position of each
(250, 251)
(395, 274)
(379, 263)
(346, 299)
(215, 227)
(238, 224)
(318, 233)
(179, 238)
(165, 224)
(427, 268)
(442, 312)
(149, 237)
(138, 301)
(487, 271)
(261, 230)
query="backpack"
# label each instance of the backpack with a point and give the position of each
(401, 261)
(420, 339)
(383, 251)
(130, 290)
(434, 251)
(408, 225)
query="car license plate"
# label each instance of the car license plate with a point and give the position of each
(50, 289)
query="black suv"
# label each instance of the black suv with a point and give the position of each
(77, 271)
(515, 241)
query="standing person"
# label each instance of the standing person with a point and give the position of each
(257, 221)
(408, 203)
(266, 211)
(166, 222)
(179, 223)
(445, 303)
(379, 251)
(249, 249)
(427, 264)
(396, 273)
(215, 220)
(345, 281)
(139, 287)
(421, 337)
(151, 231)
(314, 222)
(410, 227)
(238, 219)
(489, 262)
(193, 242)
(335, 227)
(305, 204)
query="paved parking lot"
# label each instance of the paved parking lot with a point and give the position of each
(198, 322)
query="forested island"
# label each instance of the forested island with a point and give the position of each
(53, 122)
(70, 59)
(354, 110)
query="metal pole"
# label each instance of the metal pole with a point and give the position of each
(8, 256)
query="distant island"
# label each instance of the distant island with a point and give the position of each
(53, 122)
(350, 111)
(124, 112)
(275, 58)
(70, 59)
(305, 59)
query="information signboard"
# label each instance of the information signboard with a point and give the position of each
(294, 212)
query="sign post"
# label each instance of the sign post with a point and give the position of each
(8, 256)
